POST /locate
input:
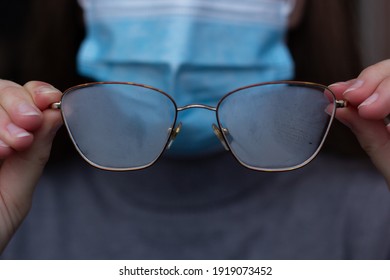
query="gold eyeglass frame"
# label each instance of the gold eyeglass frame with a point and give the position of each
(218, 129)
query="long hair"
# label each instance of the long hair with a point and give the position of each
(323, 46)
(54, 30)
(325, 49)
(49, 37)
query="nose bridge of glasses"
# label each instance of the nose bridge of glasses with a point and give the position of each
(196, 106)
(215, 128)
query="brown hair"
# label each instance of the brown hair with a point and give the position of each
(53, 34)
(323, 46)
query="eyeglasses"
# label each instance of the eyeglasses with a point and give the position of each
(274, 126)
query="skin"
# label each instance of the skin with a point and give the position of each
(28, 126)
(27, 129)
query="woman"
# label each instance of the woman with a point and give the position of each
(190, 207)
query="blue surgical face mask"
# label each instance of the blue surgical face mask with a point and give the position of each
(194, 50)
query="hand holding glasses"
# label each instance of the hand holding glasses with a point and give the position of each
(275, 126)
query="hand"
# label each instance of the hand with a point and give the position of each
(368, 99)
(27, 129)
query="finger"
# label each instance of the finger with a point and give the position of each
(339, 88)
(5, 150)
(377, 105)
(19, 106)
(20, 172)
(43, 94)
(367, 83)
(372, 135)
(12, 135)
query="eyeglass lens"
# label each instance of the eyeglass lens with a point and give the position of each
(274, 126)
(117, 125)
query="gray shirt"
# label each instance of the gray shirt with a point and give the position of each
(209, 208)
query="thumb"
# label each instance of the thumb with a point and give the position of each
(20, 172)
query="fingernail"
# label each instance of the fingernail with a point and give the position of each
(338, 84)
(27, 110)
(17, 131)
(357, 84)
(374, 97)
(47, 89)
(2, 144)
